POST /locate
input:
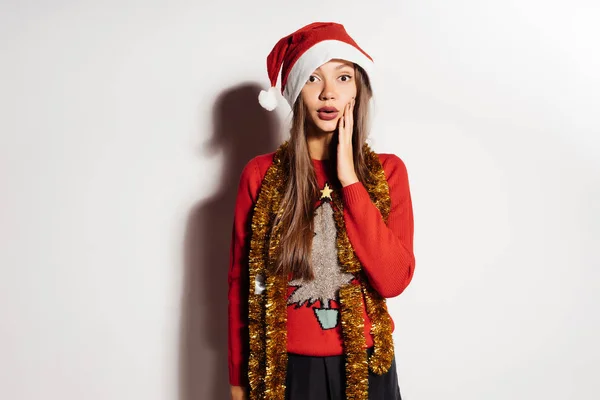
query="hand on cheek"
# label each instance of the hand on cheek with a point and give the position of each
(345, 161)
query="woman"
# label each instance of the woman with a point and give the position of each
(323, 233)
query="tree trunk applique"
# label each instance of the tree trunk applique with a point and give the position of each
(328, 279)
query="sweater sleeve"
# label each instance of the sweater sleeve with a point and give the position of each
(385, 252)
(249, 185)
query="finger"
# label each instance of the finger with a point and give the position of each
(351, 118)
(348, 123)
(342, 138)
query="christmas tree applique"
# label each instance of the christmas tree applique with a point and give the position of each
(328, 276)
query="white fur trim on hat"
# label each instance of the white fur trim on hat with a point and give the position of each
(268, 99)
(318, 55)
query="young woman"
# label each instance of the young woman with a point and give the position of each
(322, 235)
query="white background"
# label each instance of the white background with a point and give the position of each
(124, 127)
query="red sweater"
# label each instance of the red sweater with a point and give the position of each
(385, 252)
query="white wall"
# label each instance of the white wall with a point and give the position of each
(124, 126)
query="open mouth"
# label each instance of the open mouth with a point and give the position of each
(328, 110)
(327, 113)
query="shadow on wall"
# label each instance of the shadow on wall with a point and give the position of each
(242, 130)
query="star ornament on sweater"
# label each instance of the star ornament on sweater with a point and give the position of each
(326, 192)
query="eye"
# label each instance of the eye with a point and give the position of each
(310, 78)
(349, 77)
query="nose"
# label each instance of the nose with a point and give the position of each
(328, 92)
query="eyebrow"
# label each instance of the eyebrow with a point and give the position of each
(339, 67)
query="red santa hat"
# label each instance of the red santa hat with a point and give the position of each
(300, 53)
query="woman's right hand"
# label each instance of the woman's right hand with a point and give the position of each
(238, 393)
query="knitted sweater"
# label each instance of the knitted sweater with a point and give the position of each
(385, 252)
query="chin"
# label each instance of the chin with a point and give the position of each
(326, 126)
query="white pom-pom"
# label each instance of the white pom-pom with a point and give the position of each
(268, 99)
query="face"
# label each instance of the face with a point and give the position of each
(326, 93)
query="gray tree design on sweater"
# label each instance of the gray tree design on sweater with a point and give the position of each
(328, 277)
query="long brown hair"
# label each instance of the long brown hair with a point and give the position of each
(301, 188)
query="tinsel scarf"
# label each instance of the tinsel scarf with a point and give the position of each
(267, 310)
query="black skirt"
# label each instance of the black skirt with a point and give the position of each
(323, 378)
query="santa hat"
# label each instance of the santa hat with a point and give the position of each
(302, 52)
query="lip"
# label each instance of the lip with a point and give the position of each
(327, 116)
(327, 113)
(326, 109)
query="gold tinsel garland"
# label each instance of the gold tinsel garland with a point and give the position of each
(276, 307)
(267, 320)
(357, 367)
(381, 327)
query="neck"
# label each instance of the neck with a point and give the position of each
(319, 143)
